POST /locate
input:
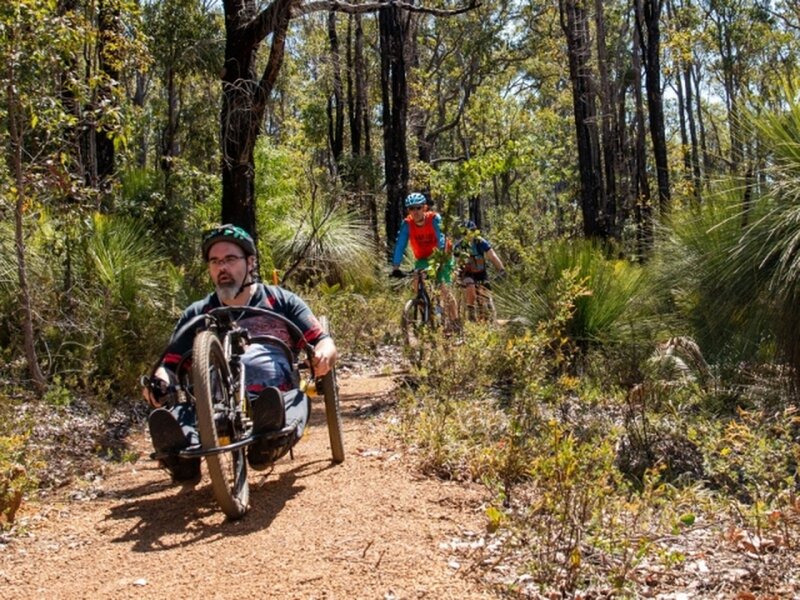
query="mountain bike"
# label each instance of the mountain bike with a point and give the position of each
(211, 377)
(423, 311)
(484, 310)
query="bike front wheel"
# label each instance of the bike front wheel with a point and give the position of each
(486, 309)
(416, 316)
(219, 425)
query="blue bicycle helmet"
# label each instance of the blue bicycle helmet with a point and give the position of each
(415, 199)
(469, 225)
(228, 233)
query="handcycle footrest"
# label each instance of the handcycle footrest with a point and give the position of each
(289, 430)
(197, 451)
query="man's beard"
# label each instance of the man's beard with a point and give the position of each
(228, 291)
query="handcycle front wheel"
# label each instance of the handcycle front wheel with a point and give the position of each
(217, 425)
(330, 393)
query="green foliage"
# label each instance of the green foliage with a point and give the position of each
(604, 312)
(691, 268)
(574, 481)
(327, 243)
(173, 220)
(106, 298)
(453, 413)
(130, 284)
(279, 184)
(308, 230)
(361, 323)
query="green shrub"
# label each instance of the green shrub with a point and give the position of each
(361, 323)
(605, 313)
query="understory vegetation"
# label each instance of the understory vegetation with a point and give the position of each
(622, 403)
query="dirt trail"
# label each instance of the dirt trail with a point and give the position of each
(365, 529)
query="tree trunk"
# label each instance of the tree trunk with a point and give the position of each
(169, 146)
(683, 79)
(574, 23)
(15, 119)
(139, 97)
(722, 16)
(693, 145)
(608, 194)
(643, 203)
(648, 17)
(354, 107)
(244, 100)
(394, 93)
(475, 213)
(336, 100)
(701, 127)
(109, 34)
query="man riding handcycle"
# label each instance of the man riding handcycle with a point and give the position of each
(228, 382)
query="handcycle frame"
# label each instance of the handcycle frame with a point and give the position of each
(215, 385)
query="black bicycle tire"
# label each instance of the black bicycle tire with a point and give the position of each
(333, 412)
(231, 491)
(415, 316)
(485, 301)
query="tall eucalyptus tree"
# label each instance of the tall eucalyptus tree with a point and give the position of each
(575, 24)
(245, 94)
(648, 22)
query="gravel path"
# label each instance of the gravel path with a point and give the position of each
(368, 528)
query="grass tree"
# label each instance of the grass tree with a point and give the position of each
(732, 267)
(601, 313)
(767, 256)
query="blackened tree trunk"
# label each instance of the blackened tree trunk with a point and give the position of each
(643, 202)
(169, 134)
(360, 173)
(109, 33)
(244, 99)
(394, 92)
(690, 121)
(138, 100)
(683, 85)
(608, 193)
(475, 213)
(336, 99)
(648, 15)
(701, 127)
(574, 23)
(354, 107)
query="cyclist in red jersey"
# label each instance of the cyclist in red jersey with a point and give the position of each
(422, 229)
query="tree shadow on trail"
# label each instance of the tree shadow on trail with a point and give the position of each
(191, 514)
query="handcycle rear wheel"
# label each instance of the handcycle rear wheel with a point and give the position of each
(330, 392)
(218, 425)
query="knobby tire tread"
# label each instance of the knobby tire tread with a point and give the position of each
(228, 471)
(333, 414)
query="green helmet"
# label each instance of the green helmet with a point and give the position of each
(228, 233)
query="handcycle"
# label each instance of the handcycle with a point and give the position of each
(212, 378)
